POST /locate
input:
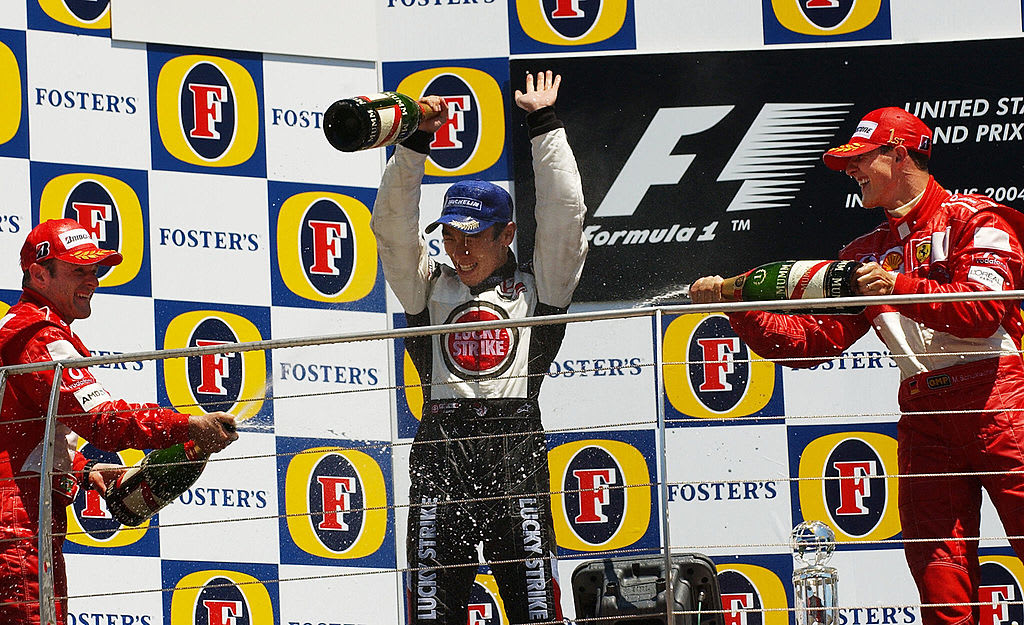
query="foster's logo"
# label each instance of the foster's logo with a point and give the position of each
(1000, 591)
(325, 249)
(479, 354)
(858, 494)
(474, 137)
(710, 372)
(485, 604)
(211, 382)
(752, 595)
(90, 524)
(13, 93)
(221, 597)
(557, 24)
(336, 503)
(109, 209)
(207, 111)
(604, 494)
(790, 21)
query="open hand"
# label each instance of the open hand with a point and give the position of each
(544, 93)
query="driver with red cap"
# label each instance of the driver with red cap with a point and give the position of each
(59, 261)
(962, 375)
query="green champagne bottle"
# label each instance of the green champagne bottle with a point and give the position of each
(154, 482)
(796, 279)
(372, 121)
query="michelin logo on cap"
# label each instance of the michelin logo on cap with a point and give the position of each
(467, 202)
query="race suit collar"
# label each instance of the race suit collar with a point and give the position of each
(930, 200)
(501, 274)
(35, 298)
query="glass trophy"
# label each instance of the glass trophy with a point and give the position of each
(815, 584)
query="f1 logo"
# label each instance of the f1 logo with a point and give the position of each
(718, 362)
(327, 238)
(336, 494)
(446, 136)
(594, 495)
(207, 103)
(222, 612)
(479, 613)
(94, 218)
(854, 486)
(994, 599)
(213, 369)
(735, 606)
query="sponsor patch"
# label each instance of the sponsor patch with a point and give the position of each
(865, 129)
(92, 395)
(987, 277)
(938, 381)
(74, 238)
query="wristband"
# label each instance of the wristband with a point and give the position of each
(86, 470)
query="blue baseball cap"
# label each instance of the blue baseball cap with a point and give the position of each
(471, 206)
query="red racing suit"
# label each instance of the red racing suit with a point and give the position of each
(32, 331)
(962, 378)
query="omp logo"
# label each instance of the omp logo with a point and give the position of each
(90, 524)
(207, 111)
(325, 249)
(474, 137)
(603, 494)
(827, 17)
(572, 22)
(336, 503)
(479, 354)
(858, 494)
(92, 14)
(485, 604)
(710, 372)
(221, 597)
(110, 211)
(11, 95)
(782, 142)
(230, 381)
(1000, 591)
(752, 595)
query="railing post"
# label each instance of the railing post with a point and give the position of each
(47, 605)
(659, 384)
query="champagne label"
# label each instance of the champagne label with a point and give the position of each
(805, 279)
(389, 119)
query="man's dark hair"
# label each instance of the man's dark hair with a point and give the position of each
(48, 264)
(920, 160)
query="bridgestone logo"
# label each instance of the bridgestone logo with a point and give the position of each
(73, 238)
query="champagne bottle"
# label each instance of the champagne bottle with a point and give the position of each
(796, 279)
(157, 480)
(372, 121)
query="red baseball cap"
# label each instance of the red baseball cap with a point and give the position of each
(886, 126)
(67, 240)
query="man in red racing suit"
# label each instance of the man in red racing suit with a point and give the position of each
(962, 374)
(478, 468)
(59, 260)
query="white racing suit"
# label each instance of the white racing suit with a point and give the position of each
(479, 463)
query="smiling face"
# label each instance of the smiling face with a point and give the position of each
(876, 174)
(69, 287)
(477, 256)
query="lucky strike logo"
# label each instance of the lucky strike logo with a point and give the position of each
(91, 14)
(336, 503)
(485, 604)
(110, 211)
(602, 497)
(474, 137)
(752, 595)
(788, 21)
(207, 111)
(479, 354)
(230, 381)
(858, 493)
(326, 251)
(1000, 591)
(221, 597)
(90, 524)
(11, 95)
(710, 372)
(595, 24)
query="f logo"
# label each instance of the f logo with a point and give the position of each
(327, 239)
(479, 613)
(337, 496)
(207, 105)
(222, 612)
(213, 368)
(594, 494)
(733, 604)
(447, 136)
(94, 218)
(94, 506)
(994, 599)
(718, 362)
(854, 485)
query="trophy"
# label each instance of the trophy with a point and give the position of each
(815, 584)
